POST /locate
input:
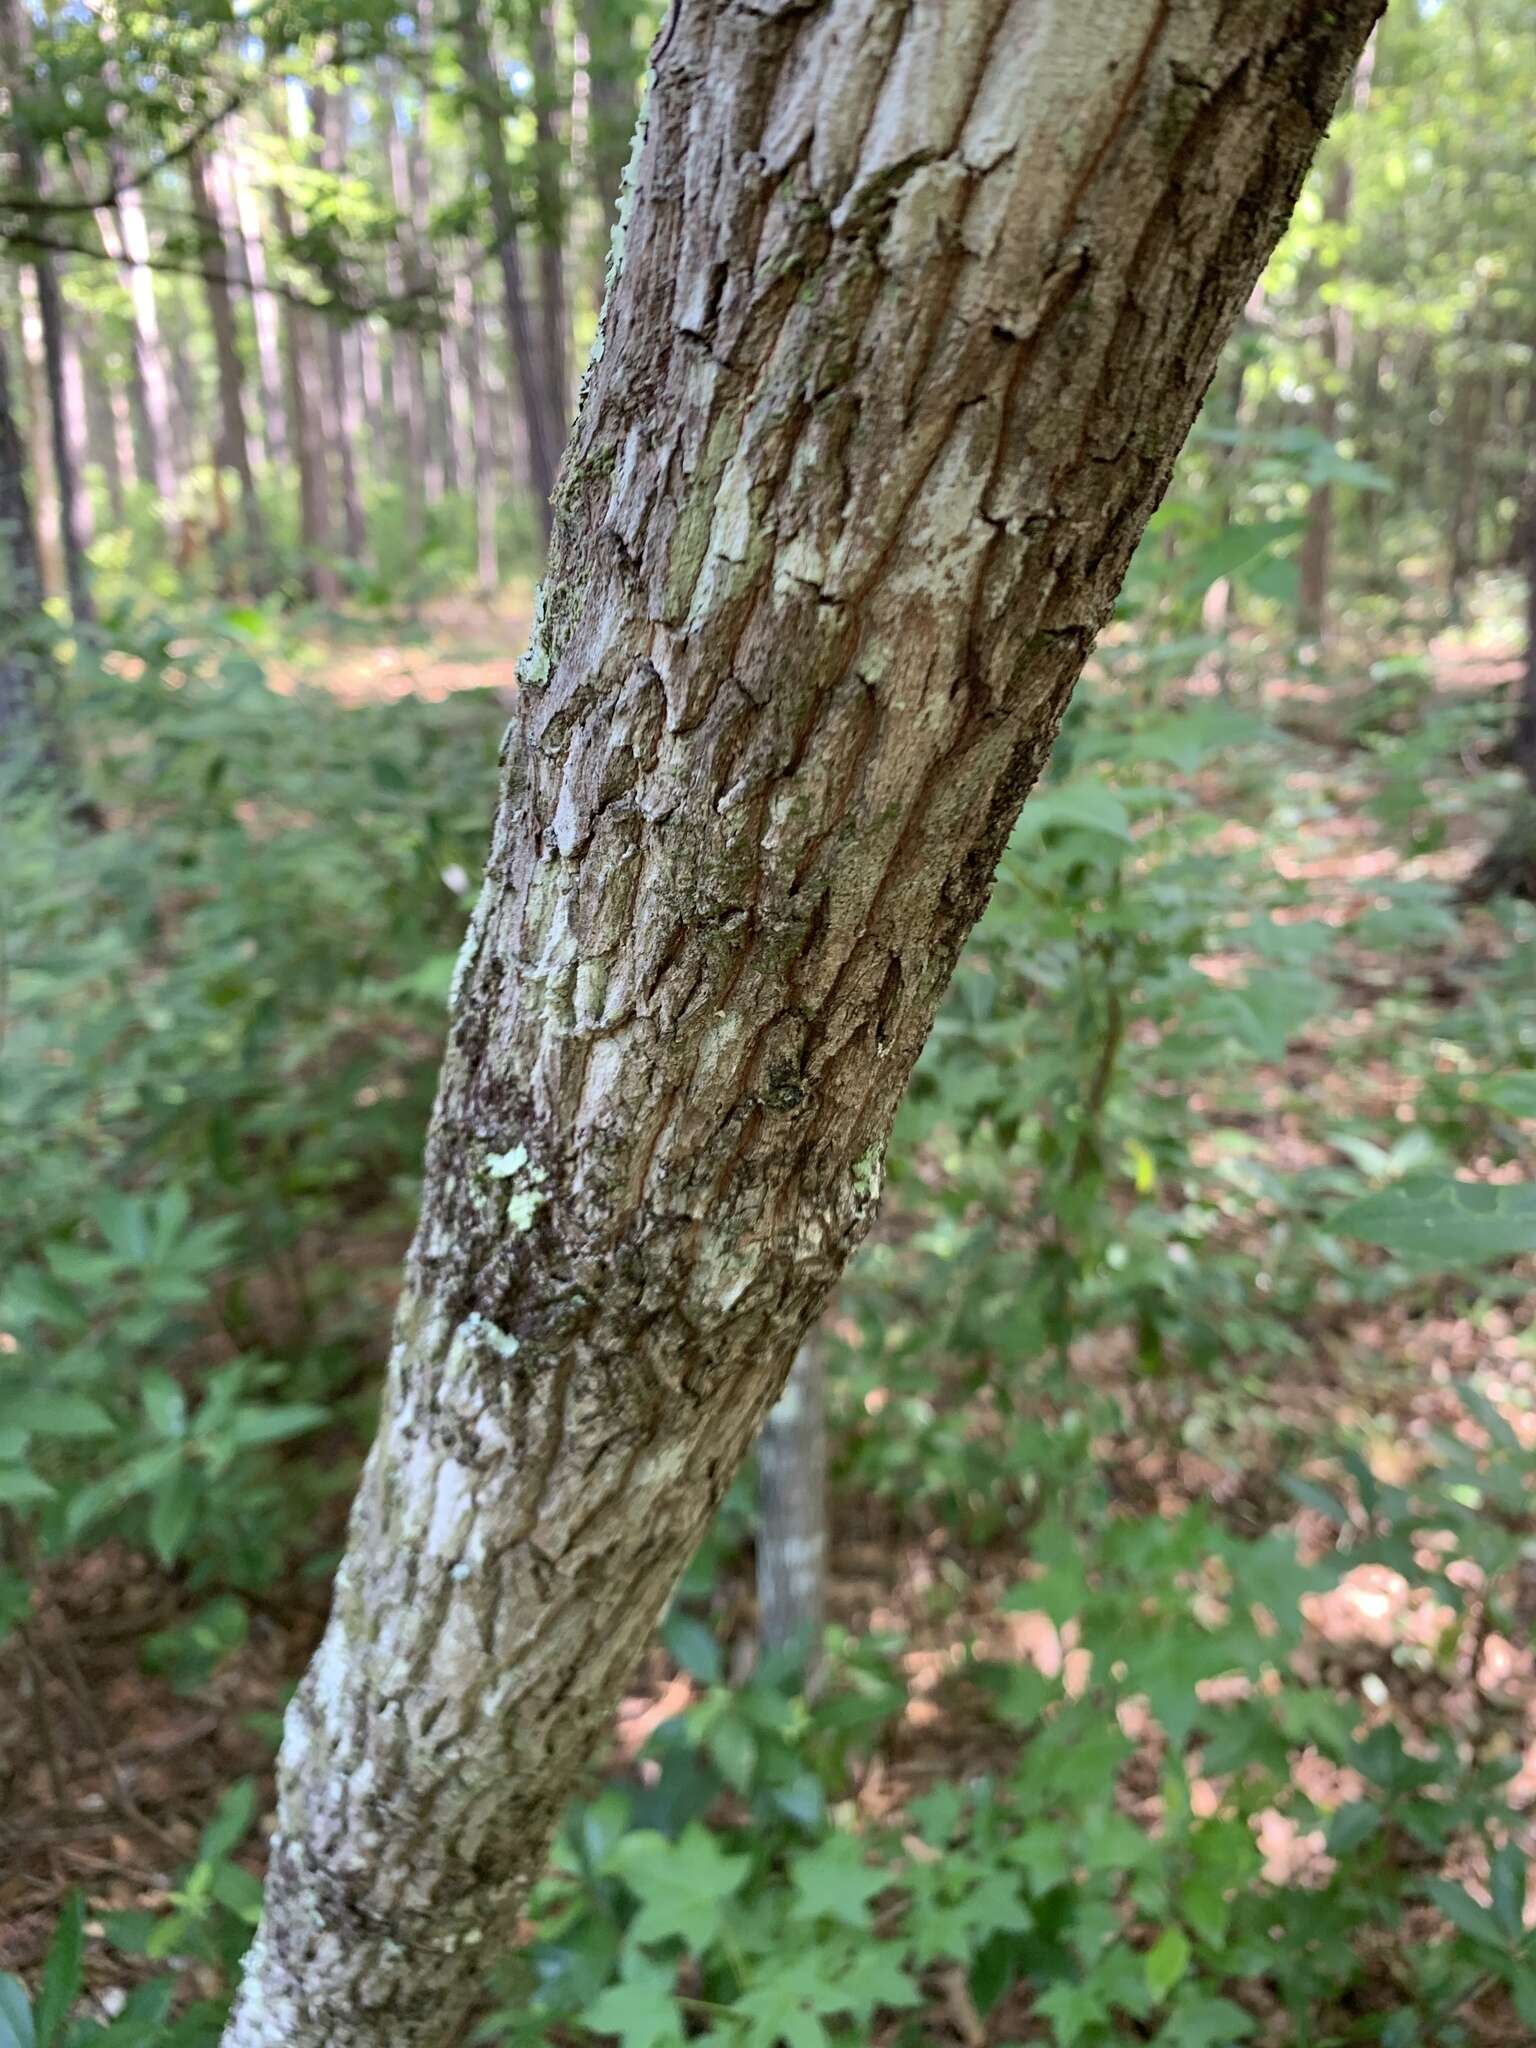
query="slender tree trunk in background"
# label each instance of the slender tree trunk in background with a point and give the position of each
(550, 211)
(230, 185)
(132, 239)
(111, 432)
(916, 308)
(233, 448)
(77, 433)
(480, 452)
(23, 714)
(1315, 563)
(301, 350)
(485, 89)
(1523, 750)
(1467, 439)
(423, 483)
(124, 445)
(455, 345)
(792, 1512)
(48, 525)
(612, 108)
(338, 405)
(66, 517)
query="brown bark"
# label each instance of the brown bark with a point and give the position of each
(917, 303)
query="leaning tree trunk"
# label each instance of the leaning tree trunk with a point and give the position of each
(917, 303)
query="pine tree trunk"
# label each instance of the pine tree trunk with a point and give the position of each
(264, 314)
(24, 716)
(550, 212)
(917, 303)
(130, 242)
(1315, 563)
(63, 461)
(792, 1512)
(48, 524)
(543, 450)
(609, 28)
(233, 448)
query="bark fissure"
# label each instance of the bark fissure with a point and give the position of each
(915, 304)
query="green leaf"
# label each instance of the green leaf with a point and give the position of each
(1514, 1094)
(1507, 1886)
(642, 2013)
(274, 1425)
(231, 1821)
(171, 1516)
(1201, 2022)
(16, 2029)
(1441, 1222)
(1464, 1913)
(45, 1412)
(692, 1647)
(833, 1882)
(1353, 1825)
(682, 1886)
(1092, 806)
(20, 1488)
(1166, 1961)
(63, 1972)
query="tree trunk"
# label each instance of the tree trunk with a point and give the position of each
(24, 716)
(543, 451)
(338, 405)
(1315, 563)
(482, 439)
(130, 242)
(14, 53)
(48, 524)
(550, 211)
(612, 74)
(916, 306)
(233, 448)
(423, 482)
(792, 1512)
(307, 435)
(264, 313)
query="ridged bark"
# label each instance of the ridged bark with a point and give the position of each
(917, 303)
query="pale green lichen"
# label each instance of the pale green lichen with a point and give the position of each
(524, 1197)
(533, 669)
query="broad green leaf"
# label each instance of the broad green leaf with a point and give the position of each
(1092, 806)
(1464, 1912)
(45, 1411)
(1441, 1222)
(682, 1886)
(834, 1882)
(642, 2015)
(1166, 1961)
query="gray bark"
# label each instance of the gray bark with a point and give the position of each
(917, 303)
(273, 422)
(792, 1512)
(23, 714)
(232, 449)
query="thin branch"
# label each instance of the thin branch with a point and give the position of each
(133, 178)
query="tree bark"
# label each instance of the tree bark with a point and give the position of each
(917, 303)
(233, 448)
(24, 733)
(480, 71)
(273, 436)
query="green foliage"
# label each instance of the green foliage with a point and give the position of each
(225, 1010)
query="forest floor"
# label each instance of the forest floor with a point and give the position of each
(115, 1771)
